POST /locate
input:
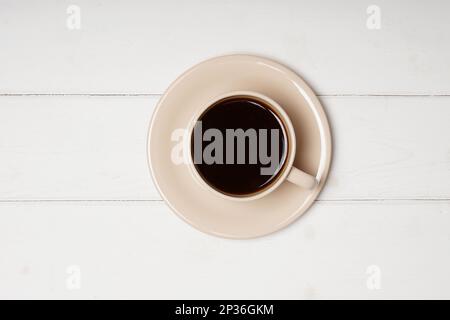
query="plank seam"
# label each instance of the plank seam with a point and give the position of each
(159, 94)
(159, 200)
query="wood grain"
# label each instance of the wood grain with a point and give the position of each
(75, 189)
(140, 47)
(142, 250)
(94, 148)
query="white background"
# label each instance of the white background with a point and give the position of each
(76, 197)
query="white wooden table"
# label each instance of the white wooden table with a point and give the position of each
(80, 217)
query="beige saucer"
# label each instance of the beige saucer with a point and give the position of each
(211, 213)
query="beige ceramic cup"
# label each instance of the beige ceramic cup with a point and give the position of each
(287, 173)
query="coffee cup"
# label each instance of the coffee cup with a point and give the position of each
(227, 147)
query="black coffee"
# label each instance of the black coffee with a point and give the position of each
(239, 146)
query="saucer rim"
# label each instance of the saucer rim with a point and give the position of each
(326, 141)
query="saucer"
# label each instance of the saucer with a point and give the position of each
(199, 207)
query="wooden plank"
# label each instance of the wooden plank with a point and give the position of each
(94, 148)
(389, 148)
(141, 47)
(75, 148)
(141, 250)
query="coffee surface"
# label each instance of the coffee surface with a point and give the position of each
(232, 153)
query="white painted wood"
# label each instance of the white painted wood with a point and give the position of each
(52, 147)
(142, 250)
(141, 46)
(386, 204)
(389, 148)
(94, 148)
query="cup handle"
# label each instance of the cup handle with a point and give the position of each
(302, 179)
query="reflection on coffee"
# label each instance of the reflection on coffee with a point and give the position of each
(239, 146)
